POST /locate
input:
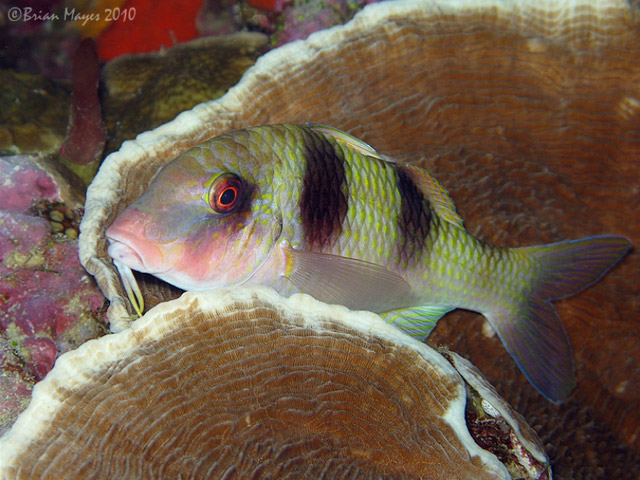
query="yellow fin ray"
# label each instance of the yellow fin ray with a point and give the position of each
(418, 321)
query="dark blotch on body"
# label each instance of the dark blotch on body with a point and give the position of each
(413, 222)
(323, 203)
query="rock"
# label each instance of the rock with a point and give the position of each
(48, 303)
(34, 114)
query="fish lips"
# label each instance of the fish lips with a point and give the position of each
(126, 255)
(125, 251)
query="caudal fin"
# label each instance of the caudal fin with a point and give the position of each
(531, 330)
(570, 267)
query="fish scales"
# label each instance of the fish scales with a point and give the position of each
(414, 223)
(309, 208)
(389, 211)
(341, 202)
(323, 200)
(469, 273)
(370, 231)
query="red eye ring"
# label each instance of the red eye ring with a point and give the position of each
(225, 193)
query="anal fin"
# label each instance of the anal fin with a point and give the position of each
(416, 321)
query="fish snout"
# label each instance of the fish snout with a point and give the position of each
(130, 247)
(126, 255)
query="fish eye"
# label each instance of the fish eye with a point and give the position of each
(225, 193)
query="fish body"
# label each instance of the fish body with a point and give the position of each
(309, 208)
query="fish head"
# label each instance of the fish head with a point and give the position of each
(205, 221)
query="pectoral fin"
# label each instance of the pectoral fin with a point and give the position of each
(416, 321)
(347, 281)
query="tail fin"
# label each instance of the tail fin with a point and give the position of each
(531, 331)
(570, 267)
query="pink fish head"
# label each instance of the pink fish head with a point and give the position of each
(204, 222)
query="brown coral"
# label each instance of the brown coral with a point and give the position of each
(247, 384)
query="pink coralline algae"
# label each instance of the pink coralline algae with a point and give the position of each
(22, 183)
(48, 303)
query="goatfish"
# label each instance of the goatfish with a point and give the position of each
(309, 208)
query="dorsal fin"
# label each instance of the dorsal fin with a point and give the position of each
(435, 192)
(343, 137)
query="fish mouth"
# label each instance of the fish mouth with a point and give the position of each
(125, 255)
(125, 258)
(128, 256)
